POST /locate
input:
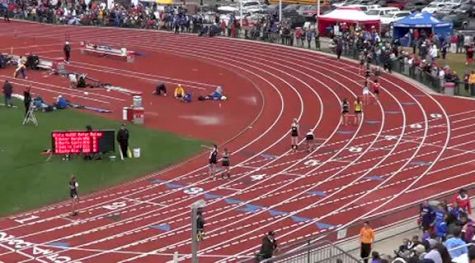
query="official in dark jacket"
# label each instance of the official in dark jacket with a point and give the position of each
(7, 93)
(27, 99)
(123, 139)
(269, 246)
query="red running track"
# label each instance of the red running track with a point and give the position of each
(410, 146)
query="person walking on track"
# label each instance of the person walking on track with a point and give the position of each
(294, 133)
(225, 163)
(67, 51)
(367, 239)
(213, 160)
(309, 137)
(73, 193)
(358, 110)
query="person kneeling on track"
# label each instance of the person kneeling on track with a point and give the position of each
(179, 92)
(159, 89)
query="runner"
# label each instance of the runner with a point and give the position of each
(309, 137)
(294, 133)
(376, 87)
(362, 62)
(73, 193)
(358, 110)
(213, 159)
(225, 163)
(345, 108)
(366, 95)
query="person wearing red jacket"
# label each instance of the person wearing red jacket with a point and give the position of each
(463, 201)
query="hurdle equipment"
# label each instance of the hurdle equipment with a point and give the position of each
(105, 50)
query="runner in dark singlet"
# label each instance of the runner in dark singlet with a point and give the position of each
(213, 160)
(73, 193)
(225, 163)
(345, 108)
(294, 133)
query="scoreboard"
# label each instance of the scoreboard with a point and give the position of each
(82, 142)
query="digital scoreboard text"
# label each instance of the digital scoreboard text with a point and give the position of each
(82, 142)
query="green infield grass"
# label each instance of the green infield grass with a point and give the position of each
(28, 181)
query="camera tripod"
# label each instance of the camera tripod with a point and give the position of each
(30, 116)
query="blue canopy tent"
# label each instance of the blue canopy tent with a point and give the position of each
(424, 21)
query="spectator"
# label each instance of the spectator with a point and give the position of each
(463, 201)
(455, 245)
(434, 255)
(367, 238)
(468, 229)
(426, 216)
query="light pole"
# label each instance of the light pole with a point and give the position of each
(280, 10)
(194, 229)
(240, 13)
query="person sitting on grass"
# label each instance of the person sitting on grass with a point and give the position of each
(159, 89)
(179, 92)
(61, 102)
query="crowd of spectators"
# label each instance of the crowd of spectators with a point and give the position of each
(447, 234)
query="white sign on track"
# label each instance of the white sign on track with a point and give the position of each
(354, 149)
(415, 126)
(193, 190)
(312, 162)
(436, 115)
(257, 177)
(115, 205)
(390, 137)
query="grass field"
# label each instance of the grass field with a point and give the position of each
(457, 63)
(28, 181)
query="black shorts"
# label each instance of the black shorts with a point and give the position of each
(357, 112)
(344, 112)
(225, 163)
(73, 194)
(376, 91)
(294, 134)
(309, 138)
(212, 161)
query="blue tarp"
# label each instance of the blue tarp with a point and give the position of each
(422, 21)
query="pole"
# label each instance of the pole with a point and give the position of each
(240, 13)
(280, 10)
(318, 14)
(194, 237)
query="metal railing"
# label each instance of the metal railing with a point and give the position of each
(322, 252)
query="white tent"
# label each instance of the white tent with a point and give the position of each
(349, 15)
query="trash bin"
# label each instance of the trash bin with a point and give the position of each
(449, 88)
(136, 152)
(138, 115)
(137, 101)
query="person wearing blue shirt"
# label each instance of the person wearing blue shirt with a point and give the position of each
(455, 245)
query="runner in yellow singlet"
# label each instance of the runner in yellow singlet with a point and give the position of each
(358, 110)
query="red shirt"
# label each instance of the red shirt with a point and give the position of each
(463, 202)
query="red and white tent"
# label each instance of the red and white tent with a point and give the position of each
(350, 16)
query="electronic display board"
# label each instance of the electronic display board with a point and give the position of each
(82, 142)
